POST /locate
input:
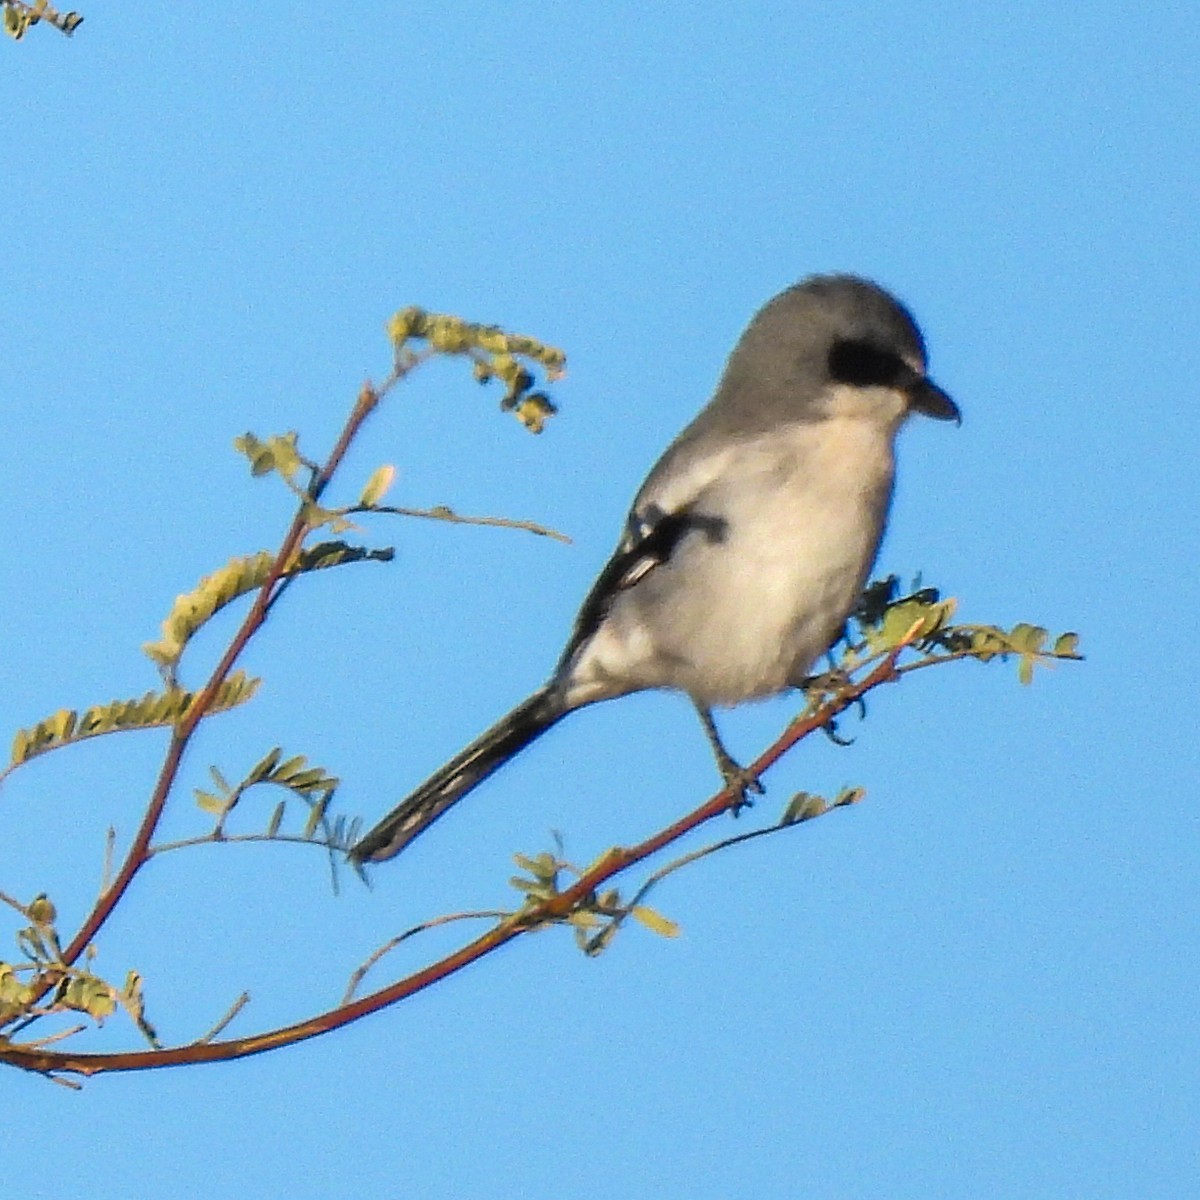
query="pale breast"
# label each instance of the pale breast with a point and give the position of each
(748, 602)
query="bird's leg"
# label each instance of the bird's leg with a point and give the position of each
(734, 774)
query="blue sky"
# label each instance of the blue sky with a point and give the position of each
(982, 980)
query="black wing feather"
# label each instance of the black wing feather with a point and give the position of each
(650, 541)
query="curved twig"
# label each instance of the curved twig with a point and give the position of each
(439, 512)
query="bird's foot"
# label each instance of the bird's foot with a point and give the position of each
(741, 781)
(829, 683)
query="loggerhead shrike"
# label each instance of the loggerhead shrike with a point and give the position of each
(749, 543)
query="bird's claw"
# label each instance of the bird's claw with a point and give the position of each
(741, 781)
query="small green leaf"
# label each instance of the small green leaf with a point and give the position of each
(654, 920)
(404, 325)
(277, 453)
(265, 766)
(20, 18)
(33, 945)
(14, 995)
(582, 919)
(286, 455)
(217, 805)
(132, 990)
(41, 910)
(20, 747)
(1067, 645)
(284, 772)
(531, 887)
(1028, 639)
(534, 410)
(257, 451)
(311, 780)
(377, 486)
(314, 817)
(543, 867)
(87, 993)
(803, 806)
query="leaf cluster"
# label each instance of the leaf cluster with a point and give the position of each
(595, 916)
(239, 577)
(154, 710)
(19, 18)
(925, 621)
(313, 786)
(494, 354)
(43, 983)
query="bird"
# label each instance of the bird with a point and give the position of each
(749, 544)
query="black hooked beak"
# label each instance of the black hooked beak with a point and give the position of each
(924, 396)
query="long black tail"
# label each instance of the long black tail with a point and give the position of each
(466, 770)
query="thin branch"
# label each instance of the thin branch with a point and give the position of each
(440, 512)
(137, 855)
(737, 839)
(209, 839)
(61, 1035)
(357, 977)
(12, 902)
(554, 909)
(110, 849)
(235, 1008)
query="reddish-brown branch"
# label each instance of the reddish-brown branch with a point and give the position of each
(137, 855)
(613, 863)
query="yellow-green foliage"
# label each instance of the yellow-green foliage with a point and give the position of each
(495, 354)
(923, 621)
(153, 711)
(239, 576)
(312, 783)
(19, 18)
(73, 988)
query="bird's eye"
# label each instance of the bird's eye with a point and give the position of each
(863, 364)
